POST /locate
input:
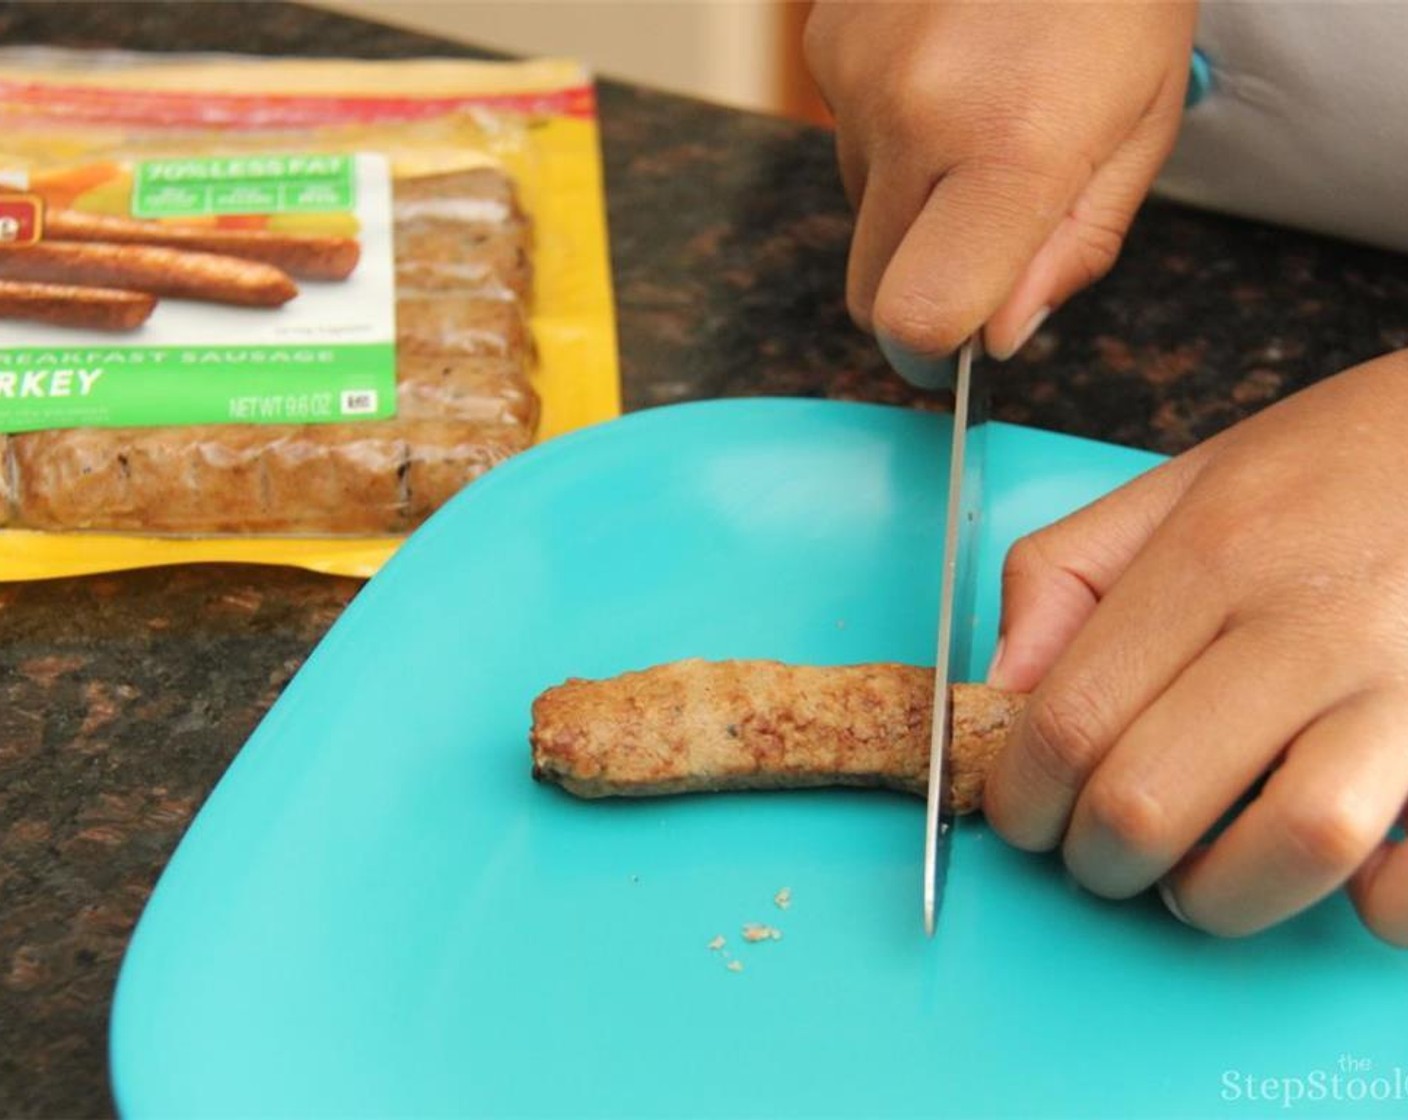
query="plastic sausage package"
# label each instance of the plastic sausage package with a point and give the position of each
(281, 311)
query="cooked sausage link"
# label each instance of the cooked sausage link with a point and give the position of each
(438, 257)
(373, 478)
(460, 324)
(477, 184)
(452, 455)
(149, 268)
(67, 305)
(7, 492)
(465, 387)
(312, 257)
(692, 726)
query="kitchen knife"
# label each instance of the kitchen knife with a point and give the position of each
(957, 594)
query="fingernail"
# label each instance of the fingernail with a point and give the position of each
(920, 370)
(1024, 335)
(994, 677)
(1166, 893)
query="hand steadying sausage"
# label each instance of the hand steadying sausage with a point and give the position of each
(1238, 614)
(1240, 611)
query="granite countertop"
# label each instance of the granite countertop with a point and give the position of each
(125, 696)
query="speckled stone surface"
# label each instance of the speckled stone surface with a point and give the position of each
(124, 697)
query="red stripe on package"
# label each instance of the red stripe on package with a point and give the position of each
(174, 108)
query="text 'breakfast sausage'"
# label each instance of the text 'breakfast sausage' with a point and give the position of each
(151, 269)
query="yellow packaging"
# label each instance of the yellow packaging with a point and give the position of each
(62, 116)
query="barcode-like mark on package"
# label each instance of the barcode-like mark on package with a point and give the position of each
(358, 402)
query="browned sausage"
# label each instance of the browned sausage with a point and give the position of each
(67, 305)
(434, 256)
(481, 184)
(462, 232)
(701, 725)
(314, 258)
(461, 324)
(151, 269)
(465, 387)
(7, 499)
(381, 476)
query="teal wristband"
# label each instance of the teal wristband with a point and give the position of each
(1199, 79)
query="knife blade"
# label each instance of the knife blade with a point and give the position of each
(957, 594)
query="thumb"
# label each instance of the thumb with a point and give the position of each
(1053, 579)
(1083, 246)
(969, 244)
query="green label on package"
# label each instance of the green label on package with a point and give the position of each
(257, 184)
(285, 315)
(159, 385)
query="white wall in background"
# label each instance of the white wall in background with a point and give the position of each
(722, 50)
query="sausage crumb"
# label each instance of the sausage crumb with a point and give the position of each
(755, 931)
(718, 943)
(783, 898)
(734, 966)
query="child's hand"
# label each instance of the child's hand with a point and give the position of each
(1243, 608)
(996, 153)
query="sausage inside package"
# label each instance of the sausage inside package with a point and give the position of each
(281, 310)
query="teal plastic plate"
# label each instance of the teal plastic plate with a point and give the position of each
(378, 913)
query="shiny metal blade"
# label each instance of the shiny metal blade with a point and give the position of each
(956, 608)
